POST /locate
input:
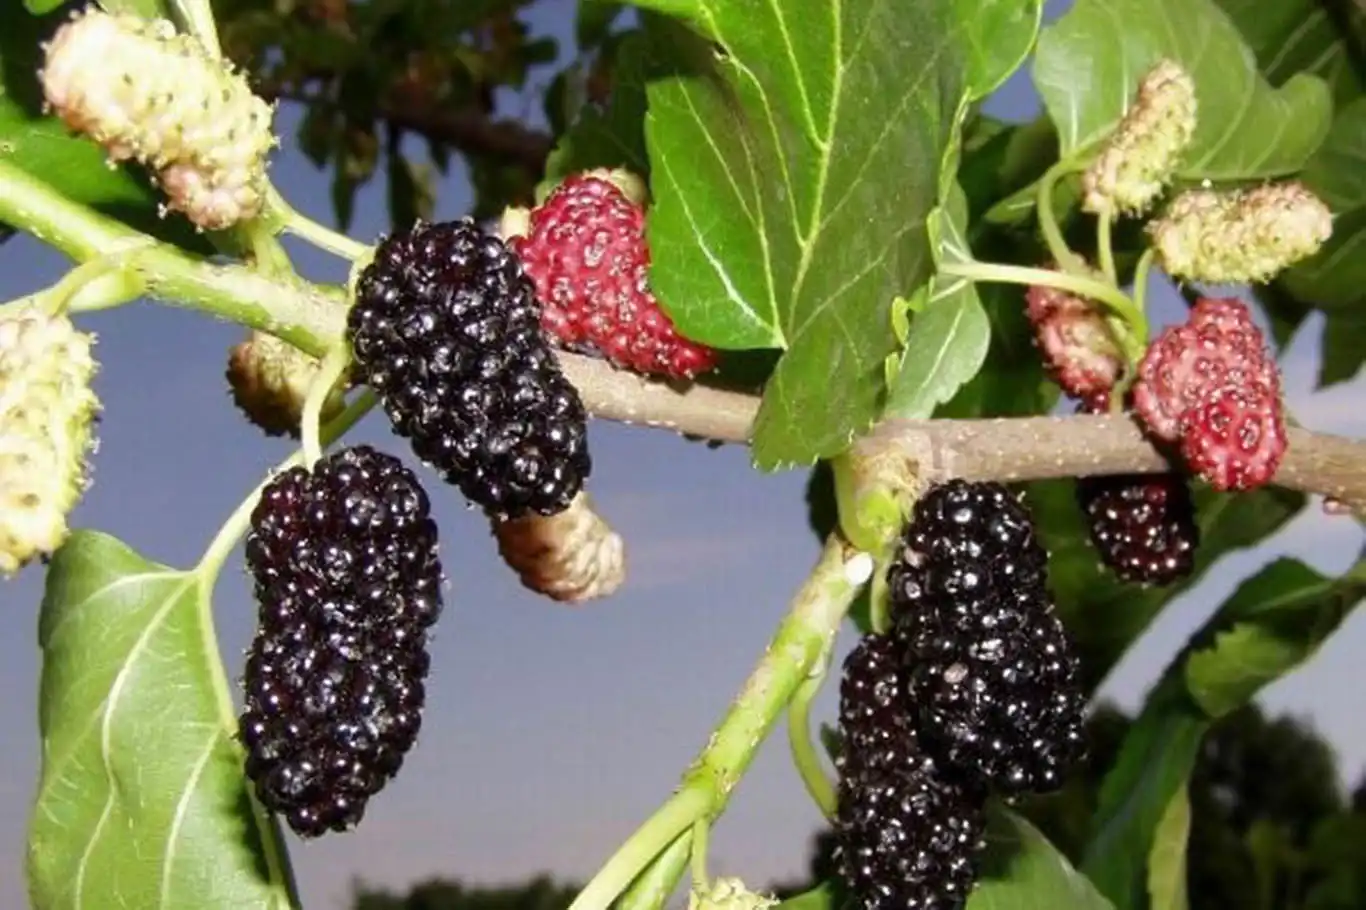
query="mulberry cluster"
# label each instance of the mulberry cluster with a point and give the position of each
(585, 249)
(1211, 386)
(993, 674)
(348, 578)
(149, 93)
(446, 329)
(975, 689)
(908, 834)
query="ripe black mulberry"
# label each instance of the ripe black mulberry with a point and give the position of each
(992, 673)
(1143, 526)
(907, 833)
(348, 580)
(446, 328)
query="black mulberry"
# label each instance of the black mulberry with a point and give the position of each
(348, 580)
(1143, 526)
(992, 672)
(907, 834)
(446, 328)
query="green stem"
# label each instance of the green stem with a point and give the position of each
(1105, 248)
(1062, 254)
(700, 836)
(331, 370)
(1093, 288)
(105, 282)
(804, 753)
(308, 316)
(324, 238)
(677, 815)
(1140, 292)
(652, 888)
(804, 635)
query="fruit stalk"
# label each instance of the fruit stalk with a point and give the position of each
(792, 656)
(1106, 293)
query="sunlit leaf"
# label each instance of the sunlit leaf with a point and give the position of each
(142, 801)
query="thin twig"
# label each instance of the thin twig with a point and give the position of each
(1005, 449)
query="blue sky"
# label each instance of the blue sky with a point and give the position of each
(551, 732)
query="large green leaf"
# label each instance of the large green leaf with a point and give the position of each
(948, 339)
(999, 35)
(1322, 37)
(1021, 870)
(75, 167)
(1278, 618)
(1090, 62)
(1106, 615)
(1269, 625)
(142, 800)
(795, 156)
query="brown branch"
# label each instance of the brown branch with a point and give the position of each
(468, 130)
(1006, 449)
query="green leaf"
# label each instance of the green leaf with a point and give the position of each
(999, 35)
(1335, 172)
(1160, 750)
(1344, 347)
(594, 23)
(824, 896)
(74, 166)
(1021, 870)
(142, 800)
(1271, 623)
(795, 156)
(949, 338)
(1012, 382)
(42, 7)
(612, 137)
(1320, 37)
(1090, 61)
(1167, 860)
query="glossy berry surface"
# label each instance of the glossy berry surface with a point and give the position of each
(446, 328)
(347, 575)
(907, 834)
(1142, 525)
(587, 253)
(992, 672)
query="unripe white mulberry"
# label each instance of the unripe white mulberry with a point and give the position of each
(1143, 152)
(571, 557)
(47, 412)
(728, 894)
(148, 93)
(270, 380)
(1244, 236)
